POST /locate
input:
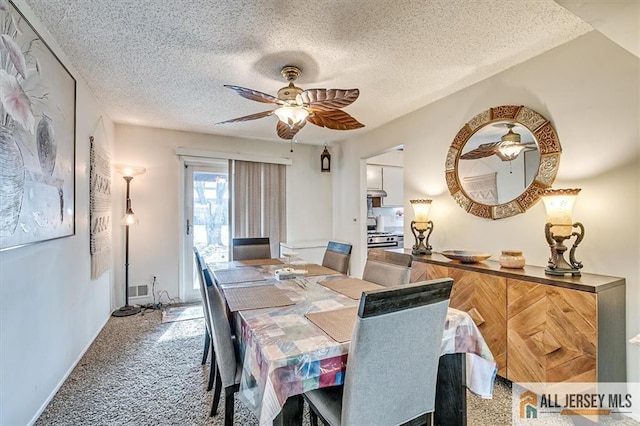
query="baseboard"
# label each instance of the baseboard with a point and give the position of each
(66, 375)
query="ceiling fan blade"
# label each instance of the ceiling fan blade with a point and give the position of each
(483, 150)
(286, 132)
(248, 117)
(254, 95)
(329, 99)
(334, 119)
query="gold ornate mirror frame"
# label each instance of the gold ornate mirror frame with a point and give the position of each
(548, 145)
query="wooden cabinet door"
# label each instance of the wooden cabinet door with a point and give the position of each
(421, 271)
(552, 333)
(484, 298)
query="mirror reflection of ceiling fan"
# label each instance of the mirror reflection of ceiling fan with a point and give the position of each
(296, 107)
(507, 148)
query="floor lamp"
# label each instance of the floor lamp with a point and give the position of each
(129, 219)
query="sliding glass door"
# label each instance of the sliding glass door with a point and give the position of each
(206, 219)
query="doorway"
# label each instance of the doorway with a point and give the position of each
(207, 220)
(384, 186)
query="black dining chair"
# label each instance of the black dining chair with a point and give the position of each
(387, 268)
(390, 377)
(250, 248)
(228, 361)
(208, 342)
(337, 256)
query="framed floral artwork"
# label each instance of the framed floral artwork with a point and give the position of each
(37, 136)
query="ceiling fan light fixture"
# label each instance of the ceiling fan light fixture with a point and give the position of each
(510, 136)
(292, 116)
(509, 151)
(296, 107)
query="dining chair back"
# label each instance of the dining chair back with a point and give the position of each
(251, 248)
(208, 343)
(337, 256)
(387, 268)
(390, 376)
(229, 366)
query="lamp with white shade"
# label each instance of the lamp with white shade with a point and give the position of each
(421, 224)
(559, 227)
(129, 219)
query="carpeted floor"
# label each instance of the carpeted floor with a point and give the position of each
(140, 371)
(182, 312)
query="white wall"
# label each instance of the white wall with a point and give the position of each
(589, 90)
(391, 158)
(50, 309)
(155, 244)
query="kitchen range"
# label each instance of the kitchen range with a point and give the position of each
(377, 237)
(381, 239)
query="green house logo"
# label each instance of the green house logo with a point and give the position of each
(528, 405)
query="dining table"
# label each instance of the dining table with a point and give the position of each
(284, 323)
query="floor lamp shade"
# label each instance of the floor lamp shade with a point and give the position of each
(128, 170)
(129, 219)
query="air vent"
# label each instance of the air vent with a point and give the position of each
(138, 291)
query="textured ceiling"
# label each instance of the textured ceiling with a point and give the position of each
(164, 63)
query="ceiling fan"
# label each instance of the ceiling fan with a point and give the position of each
(507, 148)
(296, 107)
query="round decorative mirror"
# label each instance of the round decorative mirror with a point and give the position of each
(501, 160)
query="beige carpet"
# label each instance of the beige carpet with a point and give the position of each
(182, 312)
(140, 371)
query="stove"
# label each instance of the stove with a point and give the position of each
(377, 239)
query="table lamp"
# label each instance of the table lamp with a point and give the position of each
(559, 227)
(421, 224)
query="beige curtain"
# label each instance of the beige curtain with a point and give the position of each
(259, 201)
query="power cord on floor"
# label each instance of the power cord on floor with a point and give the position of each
(158, 305)
(170, 300)
(151, 306)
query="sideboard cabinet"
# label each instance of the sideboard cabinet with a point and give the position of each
(540, 328)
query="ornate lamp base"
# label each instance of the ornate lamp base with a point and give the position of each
(562, 271)
(421, 246)
(420, 251)
(557, 263)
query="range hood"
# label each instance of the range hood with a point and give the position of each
(376, 193)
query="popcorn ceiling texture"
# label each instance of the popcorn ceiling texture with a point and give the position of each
(164, 64)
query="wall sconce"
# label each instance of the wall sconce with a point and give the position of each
(421, 224)
(129, 219)
(559, 227)
(325, 161)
